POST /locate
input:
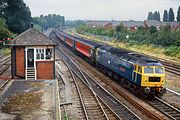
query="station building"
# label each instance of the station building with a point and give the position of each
(32, 56)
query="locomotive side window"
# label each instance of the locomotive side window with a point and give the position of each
(139, 69)
(135, 67)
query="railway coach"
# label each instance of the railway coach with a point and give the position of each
(87, 48)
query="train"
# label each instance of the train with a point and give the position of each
(140, 74)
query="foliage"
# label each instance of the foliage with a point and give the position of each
(165, 16)
(165, 37)
(150, 16)
(152, 29)
(171, 15)
(4, 32)
(37, 27)
(178, 15)
(17, 15)
(75, 23)
(49, 21)
(172, 51)
(154, 16)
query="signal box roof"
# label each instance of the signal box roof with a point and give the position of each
(31, 37)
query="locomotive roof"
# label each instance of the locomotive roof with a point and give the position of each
(131, 57)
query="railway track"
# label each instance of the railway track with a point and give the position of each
(168, 110)
(120, 92)
(89, 101)
(3, 83)
(173, 92)
(172, 68)
(119, 109)
(4, 65)
(150, 114)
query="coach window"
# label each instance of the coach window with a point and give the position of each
(48, 53)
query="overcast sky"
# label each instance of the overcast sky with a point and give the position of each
(101, 9)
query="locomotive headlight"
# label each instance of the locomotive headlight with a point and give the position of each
(147, 90)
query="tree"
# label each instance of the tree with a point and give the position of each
(152, 29)
(119, 28)
(165, 16)
(18, 16)
(178, 15)
(158, 16)
(4, 32)
(2, 7)
(150, 16)
(171, 15)
(48, 21)
(155, 15)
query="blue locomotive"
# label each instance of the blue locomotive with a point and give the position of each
(142, 74)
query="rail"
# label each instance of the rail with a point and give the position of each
(119, 109)
(165, 108)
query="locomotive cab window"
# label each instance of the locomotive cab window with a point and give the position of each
(148, 70)
(159, 70)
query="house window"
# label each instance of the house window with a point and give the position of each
(40, 54)
(48, 53)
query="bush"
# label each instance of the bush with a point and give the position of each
(165, 37)
(172, 51)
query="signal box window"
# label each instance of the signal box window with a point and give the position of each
(40, 54)
(48, 53)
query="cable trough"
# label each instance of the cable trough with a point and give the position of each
(119, 109)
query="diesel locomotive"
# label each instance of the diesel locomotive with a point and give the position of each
(138, 73)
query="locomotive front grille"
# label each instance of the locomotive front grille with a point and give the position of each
(154, 79)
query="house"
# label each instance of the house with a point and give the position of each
(155, 23)
(174, 25)
(32, 56)
(132, 25)
(99, 24)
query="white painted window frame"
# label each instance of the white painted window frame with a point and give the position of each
(26, 49)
